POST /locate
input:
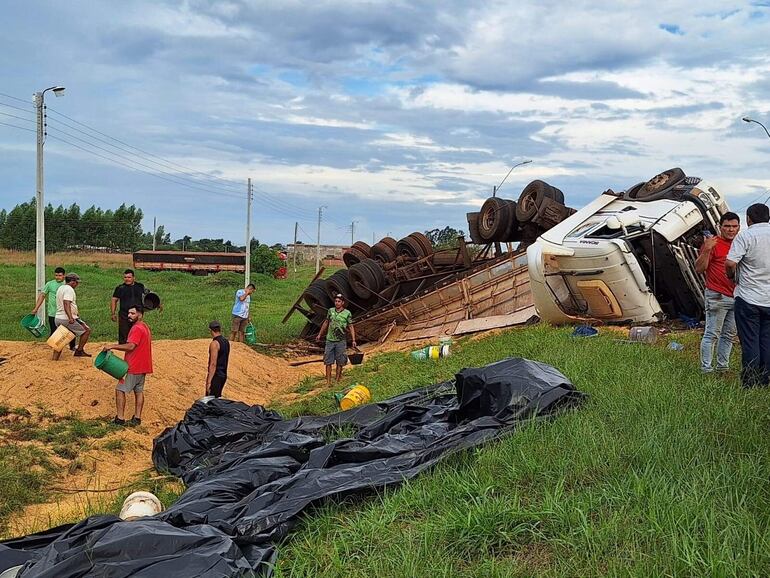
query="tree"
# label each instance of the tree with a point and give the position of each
(445, 238)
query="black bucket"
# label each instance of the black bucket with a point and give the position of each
(151, 301)
(356, 358)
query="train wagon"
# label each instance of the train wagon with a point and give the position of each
(198, 263)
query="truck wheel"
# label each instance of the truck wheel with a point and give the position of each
(494, 219)
(427, 246)
(383, 252)
(410, 247)
(660, 183)
(532, 197)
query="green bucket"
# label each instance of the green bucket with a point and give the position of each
(34, 325)
(111, 364)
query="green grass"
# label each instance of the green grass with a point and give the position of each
(662, 473)
(25, 474)
(189, 302)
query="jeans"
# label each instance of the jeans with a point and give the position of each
(720, 329)
(754, 332)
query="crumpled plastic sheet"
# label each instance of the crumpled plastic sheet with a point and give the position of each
(250, 473)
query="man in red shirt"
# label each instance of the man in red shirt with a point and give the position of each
(138, 350)
(720, 304)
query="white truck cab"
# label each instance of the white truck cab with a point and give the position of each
(627, 257)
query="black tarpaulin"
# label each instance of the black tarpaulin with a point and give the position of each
(250, 473)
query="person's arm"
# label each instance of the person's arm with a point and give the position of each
(68, 311)
(734, 256)
(702, 262)
(113, 304)
(40, 298)
(213, 353)
(353, 335)
(324, 326)
(120, 347)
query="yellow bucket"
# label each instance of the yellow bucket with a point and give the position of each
(60, 338)
(358, 395)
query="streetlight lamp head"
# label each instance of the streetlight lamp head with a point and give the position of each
(58, 90)
(746, 119)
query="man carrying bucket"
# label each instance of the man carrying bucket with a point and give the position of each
(67, 314)
(241, 315)
(138, 350)
(48, 294)
(338, 320)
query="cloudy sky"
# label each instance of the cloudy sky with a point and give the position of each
(399, 116)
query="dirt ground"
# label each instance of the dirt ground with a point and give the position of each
(30, 379)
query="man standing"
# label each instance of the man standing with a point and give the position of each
(48, 294)
(130, 293)
(241, 315)
(67, 314)
(138, 348)
(720, 304)
(219, 354)
(338, 321)
(748, 262)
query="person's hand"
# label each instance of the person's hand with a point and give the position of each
(34, 311)
(71, 320)
(354, 345)
(709, 243)
(113, 317)
(106, 348)
(318, 337)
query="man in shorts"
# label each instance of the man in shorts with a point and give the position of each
(241, 315)
(138, 350)
(48, 295)
(219, 355)
(338, 321)
(67, 314)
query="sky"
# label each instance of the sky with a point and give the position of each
(393, 116)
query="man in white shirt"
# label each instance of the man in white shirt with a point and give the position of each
(748, 262)
(67, 314)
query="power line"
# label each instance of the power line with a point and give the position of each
(16, 98)
(18, 117)
(17, 107)
(19, 127)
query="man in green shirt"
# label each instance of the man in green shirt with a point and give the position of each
(48, 294)
(337, 321)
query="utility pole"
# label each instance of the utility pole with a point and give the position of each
(154, 231)
(372, 237)
(39, 202)
(248, 232)
(318, 242)
(296, 225)
(352, 233)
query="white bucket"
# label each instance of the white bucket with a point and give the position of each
(11, 572)
(139, 505)
(206, 398)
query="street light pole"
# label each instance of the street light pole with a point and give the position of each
(497, 188)
(39, 196)
(747, 119)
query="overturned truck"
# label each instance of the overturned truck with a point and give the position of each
(628, 257)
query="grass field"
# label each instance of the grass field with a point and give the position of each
(663, 472)
(189, 302)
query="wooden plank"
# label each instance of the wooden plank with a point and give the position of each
(495, 321)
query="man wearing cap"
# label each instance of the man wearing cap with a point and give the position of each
(338, 320)
(219, 355)
(67, 314)
(138, 350)
(48, 295)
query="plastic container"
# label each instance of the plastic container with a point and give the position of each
(445, 340)
(431, 352)
(139, 505)
(34, 325)
(250, 335)
(151, 301)
(111, 364)
(643, 334)
(60, 338)
(358, 395)
(356, 358)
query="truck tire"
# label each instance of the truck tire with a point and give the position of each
(660, 183)
(363, 247)
(424, 242)
(390, 242)
(532, 197)
(362, 280)
(410, 247)
(512, 232)
(317, 294)
(352, 256)
(493, 219)
(378, 273)
(383, 253)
